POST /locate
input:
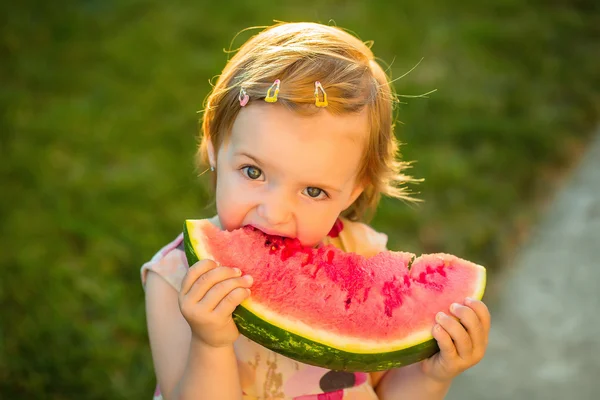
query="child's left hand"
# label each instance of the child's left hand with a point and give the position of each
(462, 344)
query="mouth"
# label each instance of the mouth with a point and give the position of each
(268, 232)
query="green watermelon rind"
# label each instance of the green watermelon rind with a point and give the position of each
(311, 352)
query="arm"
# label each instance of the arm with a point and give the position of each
(410, 383)
(211, 372)
(188, 364)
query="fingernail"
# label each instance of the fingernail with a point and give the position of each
(439, 316)
(469, 300)
(437, 328)
(453, 307)
(237, 271)
(248, 278)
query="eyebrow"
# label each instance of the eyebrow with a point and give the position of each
(243, 153)
(259, 162)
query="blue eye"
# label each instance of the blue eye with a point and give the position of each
(315, 193)
(252, 172)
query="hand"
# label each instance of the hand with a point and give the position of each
(208, 296)
(462, 344)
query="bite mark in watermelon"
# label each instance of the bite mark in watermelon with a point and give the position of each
(332, 309)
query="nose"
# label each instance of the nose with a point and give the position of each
(276, 208)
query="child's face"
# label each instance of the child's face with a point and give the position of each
(288, 174)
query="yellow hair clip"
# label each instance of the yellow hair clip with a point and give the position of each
(318, 102)
(273, 98)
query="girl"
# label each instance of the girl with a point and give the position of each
(298, 135)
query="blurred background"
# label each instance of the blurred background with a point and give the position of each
(99, 123)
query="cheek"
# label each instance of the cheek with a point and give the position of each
(232, 204)
(315, 223)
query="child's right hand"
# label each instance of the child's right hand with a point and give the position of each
(208, 296)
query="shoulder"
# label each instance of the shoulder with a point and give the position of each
(357, 237)
(170, 263)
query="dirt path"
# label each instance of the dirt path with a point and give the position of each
(545, 339)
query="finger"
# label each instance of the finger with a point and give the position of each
(457, 332)
(219, 291)
(445, 343)
(206, 281)
(232, 300)
(196, 270)
(483, 313)
(471, 322)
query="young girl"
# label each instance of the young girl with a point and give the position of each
(298, 136)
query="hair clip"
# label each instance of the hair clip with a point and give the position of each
(318, 102)
(273, 98)
(243, 97)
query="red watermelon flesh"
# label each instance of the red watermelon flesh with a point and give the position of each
(385, 297)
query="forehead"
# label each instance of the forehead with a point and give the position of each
(307, 147)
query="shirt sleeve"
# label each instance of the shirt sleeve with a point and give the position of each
(170, 263)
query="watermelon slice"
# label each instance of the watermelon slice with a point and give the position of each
(332, 309)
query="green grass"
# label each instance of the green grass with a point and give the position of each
(98, 131)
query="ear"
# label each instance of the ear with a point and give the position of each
(357, 191)
(210, 149)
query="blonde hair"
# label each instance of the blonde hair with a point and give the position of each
(299, 54)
